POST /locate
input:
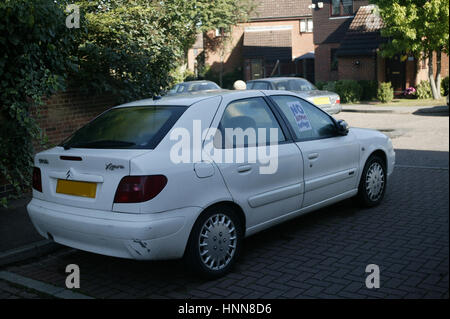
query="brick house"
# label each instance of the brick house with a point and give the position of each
(347, 43)
(278, 35)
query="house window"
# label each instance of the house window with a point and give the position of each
(341, 7)
(306, 25)
(333, 60)
(221, 32)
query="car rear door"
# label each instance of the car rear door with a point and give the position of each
(270, 185)
(331, 161)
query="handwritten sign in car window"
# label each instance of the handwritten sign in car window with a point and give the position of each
(300, 116)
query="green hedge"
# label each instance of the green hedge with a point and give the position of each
(369, 89)
(424, 90)
(385, 92)
(351, 91)
(35, 59)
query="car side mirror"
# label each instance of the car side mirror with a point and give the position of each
(342, 127)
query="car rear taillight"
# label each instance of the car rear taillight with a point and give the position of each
(136, 189)
(338, 101)
(37, 180)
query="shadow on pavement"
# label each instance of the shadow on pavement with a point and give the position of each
(433, 111)
(421, 158)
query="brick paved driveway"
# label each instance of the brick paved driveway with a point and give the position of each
(320, 255)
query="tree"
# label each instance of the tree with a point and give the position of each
(417, 27)
(130, 47)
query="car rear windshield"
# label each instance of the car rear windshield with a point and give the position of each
(194, 87)
(294, 85)
(140, 127)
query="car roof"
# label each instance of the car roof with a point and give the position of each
(278, 78)
(187, 99)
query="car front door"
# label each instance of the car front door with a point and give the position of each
(331, 161)
(265, 180)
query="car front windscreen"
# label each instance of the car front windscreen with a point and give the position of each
(294, 85)
(139, 127)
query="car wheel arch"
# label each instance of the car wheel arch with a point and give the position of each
(228, 203)
(380, 153)
(231, 204)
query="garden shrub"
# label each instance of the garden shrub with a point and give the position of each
(369, 89)
(34, 63)
(349, 91)
(385, 92)
(330, 86)
(320, 85)
(424, 90)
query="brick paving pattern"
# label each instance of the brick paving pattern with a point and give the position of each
(320, 255)
(11, 291)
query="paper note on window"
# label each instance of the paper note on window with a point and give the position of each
(300, 116)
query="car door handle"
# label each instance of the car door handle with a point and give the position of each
(313, 156)
(244, 168)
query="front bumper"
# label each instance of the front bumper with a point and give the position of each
(136, 236)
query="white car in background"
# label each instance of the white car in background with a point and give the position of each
(113, 187)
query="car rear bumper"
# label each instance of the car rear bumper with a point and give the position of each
(136, 236)
(331, 109)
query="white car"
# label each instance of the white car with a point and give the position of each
(148, 179)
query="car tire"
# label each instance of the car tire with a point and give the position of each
(215, 242)
(372, 185)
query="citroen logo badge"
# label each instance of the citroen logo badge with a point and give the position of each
(68, 174)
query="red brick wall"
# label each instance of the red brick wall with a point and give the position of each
(322, 62)
(64, 113)
(67, 111)
(349, 70)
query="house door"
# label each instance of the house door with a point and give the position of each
(256, 69)
(395, 73)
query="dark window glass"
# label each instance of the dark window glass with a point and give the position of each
(341, 7)
(127, 127)
(194, 87)
(202, 87)
(294, 85)
(249, 115)
(308, 121)
(260, 86)
(333, 60)
(335, 7)
(347, 7)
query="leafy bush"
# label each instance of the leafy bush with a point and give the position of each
(369, 89)
(444, 85)
(229, 78)
(385, 92)
(349, 91)
(34, 62)
(320, 85)
(330, 86)
(424, 90)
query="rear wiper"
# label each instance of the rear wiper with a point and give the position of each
(99, 144)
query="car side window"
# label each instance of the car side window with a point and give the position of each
(242, 122)
(308, 121)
